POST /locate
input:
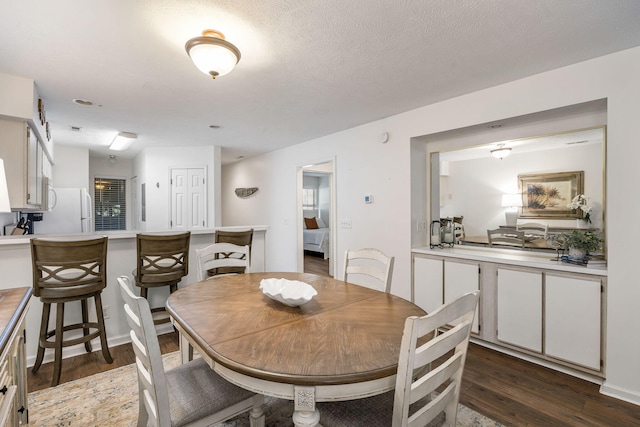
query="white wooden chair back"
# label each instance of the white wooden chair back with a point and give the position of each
(411, 389)
(369, 262)
(505, 237)
(217, 255)
(535, 229)
(151, 377)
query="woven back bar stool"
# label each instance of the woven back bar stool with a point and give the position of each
(162, 260)
(66, 271)
(240, 238)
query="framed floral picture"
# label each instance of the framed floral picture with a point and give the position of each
(548, 195)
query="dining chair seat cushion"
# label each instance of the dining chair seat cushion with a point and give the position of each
(196, 390)
(371, 412)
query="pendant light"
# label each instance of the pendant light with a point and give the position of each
(501, 152)
(212, 54)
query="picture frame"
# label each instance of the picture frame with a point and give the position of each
(546, 195)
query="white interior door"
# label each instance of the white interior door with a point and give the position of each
(188, 198)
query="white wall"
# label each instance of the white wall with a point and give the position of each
(366, 166)
(71, 168)
(153, 168)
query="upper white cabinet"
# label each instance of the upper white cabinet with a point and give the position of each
(23, 159)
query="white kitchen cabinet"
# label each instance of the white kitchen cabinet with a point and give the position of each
(460, 278)
(437, 282)
(23, 157)
(519, 308)
(554, 314)
(573, 319)
(428, 289)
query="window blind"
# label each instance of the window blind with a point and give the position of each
(110, 204)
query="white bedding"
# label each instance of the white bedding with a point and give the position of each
(317, 240)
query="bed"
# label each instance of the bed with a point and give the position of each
(316, 239)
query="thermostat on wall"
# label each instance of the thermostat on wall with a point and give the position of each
(368, 198)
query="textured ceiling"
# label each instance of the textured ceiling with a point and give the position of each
(309, 67)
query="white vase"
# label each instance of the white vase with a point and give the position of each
(576, 253)
(581, 223)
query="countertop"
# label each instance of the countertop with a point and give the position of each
(511, 257)
(13, 302)
(128, 234)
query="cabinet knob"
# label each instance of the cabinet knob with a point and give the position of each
(22, 409)
(4, 389)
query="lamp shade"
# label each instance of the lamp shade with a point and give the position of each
(212, 54)
(4, 190)
(123, 141)
(511, 200)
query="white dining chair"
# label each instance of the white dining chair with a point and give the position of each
(420, 372)
(534, 229)
(372, 263)
(505, 237)
(219, 255)
(188, 395)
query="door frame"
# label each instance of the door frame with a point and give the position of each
(332, 209)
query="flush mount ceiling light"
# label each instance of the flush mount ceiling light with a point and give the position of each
(212, 54)
(123, 141)
(501, 152)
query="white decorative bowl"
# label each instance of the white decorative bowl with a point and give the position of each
(289, 292)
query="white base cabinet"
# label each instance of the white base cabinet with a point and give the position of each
(573, 320)
(519, 308)
(555, 315)
(438, 281)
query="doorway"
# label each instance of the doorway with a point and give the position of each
(316, 218)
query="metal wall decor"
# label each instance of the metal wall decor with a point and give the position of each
(243, 193)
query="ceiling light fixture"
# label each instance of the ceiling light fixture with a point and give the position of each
(212, 54)
(501, 152)
(123, 141)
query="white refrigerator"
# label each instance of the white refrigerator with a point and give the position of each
(72, 212)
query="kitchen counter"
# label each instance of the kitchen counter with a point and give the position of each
(511, 257)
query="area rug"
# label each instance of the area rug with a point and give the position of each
(111, 399)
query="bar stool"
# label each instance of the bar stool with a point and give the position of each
(162, 260)
(240, 238)
(65, 271)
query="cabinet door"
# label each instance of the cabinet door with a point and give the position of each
(427, 283)
(573, 320)
(460, 278)
(519, 295)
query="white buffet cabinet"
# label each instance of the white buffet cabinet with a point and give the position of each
(530, 306)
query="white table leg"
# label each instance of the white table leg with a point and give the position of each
(186, 350)
(305, 413)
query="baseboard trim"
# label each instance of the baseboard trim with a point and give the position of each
(620, 393)
(78, 350)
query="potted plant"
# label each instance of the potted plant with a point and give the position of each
(580, 243)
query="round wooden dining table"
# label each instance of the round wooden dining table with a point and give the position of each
(342, 345)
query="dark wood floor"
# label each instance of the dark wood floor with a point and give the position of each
(509, 390)
(316, 264)
(504, 388)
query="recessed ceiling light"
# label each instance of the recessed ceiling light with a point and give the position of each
(83, 102)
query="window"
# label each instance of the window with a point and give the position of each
(110, 201)
(310, 199)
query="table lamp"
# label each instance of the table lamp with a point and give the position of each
(512, 202)
(4, 190)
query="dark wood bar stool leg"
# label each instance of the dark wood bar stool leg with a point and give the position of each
(57, 361)
(103, 330)
(44, 327)
(85, 320)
